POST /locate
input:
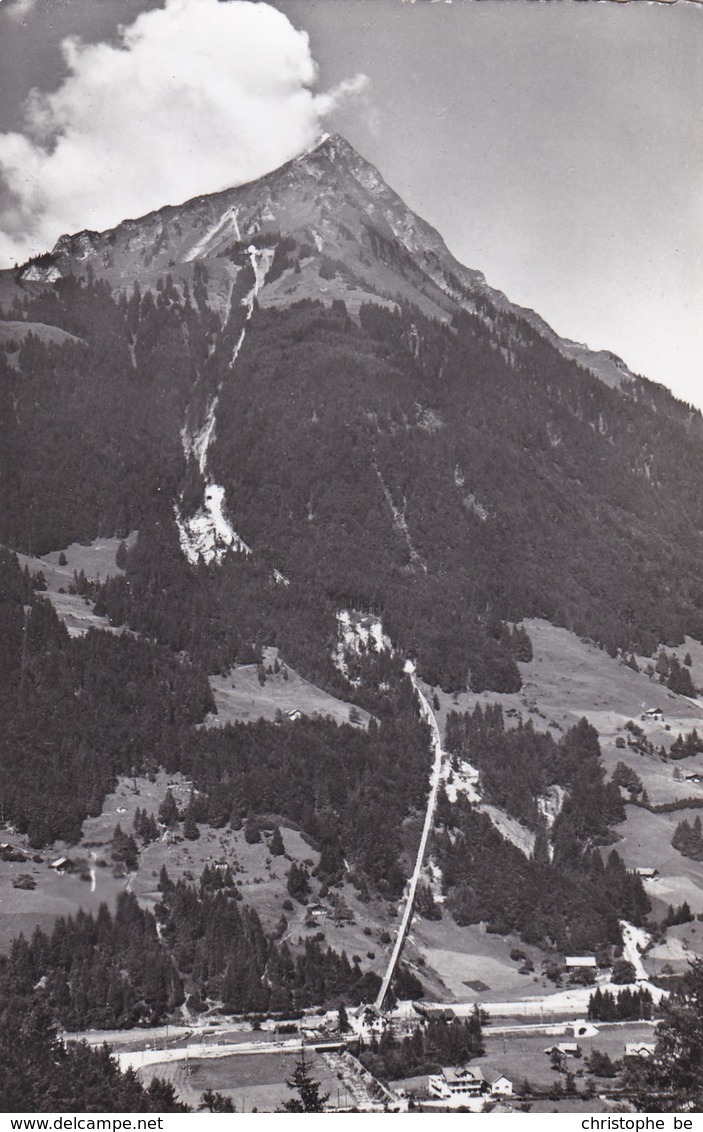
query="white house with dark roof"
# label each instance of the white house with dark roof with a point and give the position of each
(368, 1022)
(458, 1085)
(469, 1086)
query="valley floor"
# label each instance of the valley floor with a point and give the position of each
(567, 679)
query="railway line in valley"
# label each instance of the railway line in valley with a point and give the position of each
(138, 1058)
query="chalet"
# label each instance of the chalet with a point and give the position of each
(294, 714)
(639, 1049)
(458, 1085)
(501, 1086)
(62, 865)
(697, 777)
(431, 1012)
(368, 1022)
(655, 714)
(567, 1049)
(645, 872)
(575, 961)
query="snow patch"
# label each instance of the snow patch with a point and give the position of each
(433, 876)
(428, 419)
(550, 804)
(634, 942)
(208, 535)
(226, 225)
(35, 274)
(461, 779)
(358, 634)
(471, 502)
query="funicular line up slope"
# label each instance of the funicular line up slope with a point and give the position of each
(435, 779)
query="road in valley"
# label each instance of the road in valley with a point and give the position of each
(411, 889)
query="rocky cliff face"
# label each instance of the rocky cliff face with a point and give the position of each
(340, 212)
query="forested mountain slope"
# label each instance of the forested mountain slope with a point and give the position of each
(298, 368)
(310, 411)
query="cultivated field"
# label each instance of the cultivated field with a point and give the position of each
(261, 877)
(255, 1083)
(569, 678)
(522, 1056)
(475, 966)
(646, 841)
(16, 332)
(240, 697)
(97, 561)
(55, 894)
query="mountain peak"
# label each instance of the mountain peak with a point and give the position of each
(348, 236)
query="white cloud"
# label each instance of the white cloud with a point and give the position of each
(18, 10)
(197, 96)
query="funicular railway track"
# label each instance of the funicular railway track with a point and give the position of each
(411, 891)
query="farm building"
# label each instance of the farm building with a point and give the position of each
(645, 872)
(573, 961)
(294, 714)
(568, 1049)
(655, 714)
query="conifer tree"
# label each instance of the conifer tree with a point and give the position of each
(309, 1098)
(671, 1081)
(168, 810)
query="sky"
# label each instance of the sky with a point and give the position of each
(557, 146)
